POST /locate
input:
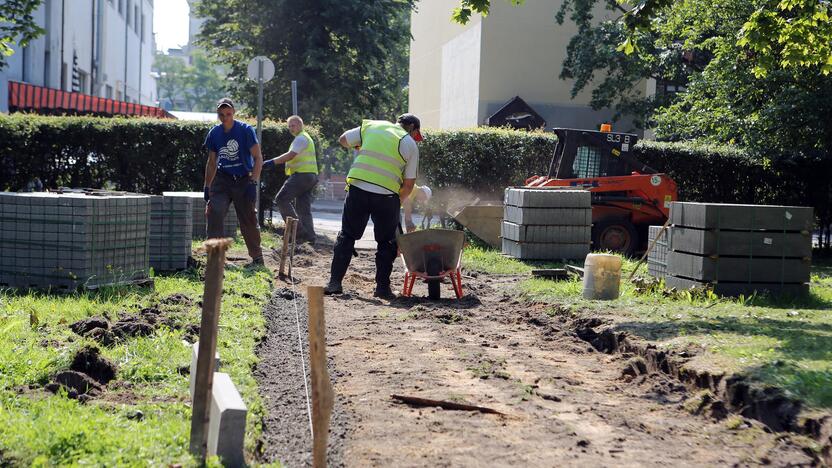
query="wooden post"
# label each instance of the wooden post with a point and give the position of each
(292, 246)
(287, 234)
(211, 299)
(322, 395)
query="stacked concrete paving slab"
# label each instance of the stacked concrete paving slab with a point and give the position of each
(171, 231)
(547, 224)
(657, 259)
(740, 249)
(71, 240)
(200, 226)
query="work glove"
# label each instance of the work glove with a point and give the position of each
(269, 163)
(251, 191)
(206, 193)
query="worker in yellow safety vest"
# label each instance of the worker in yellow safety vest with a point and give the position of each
(295, 196)
(382, 174)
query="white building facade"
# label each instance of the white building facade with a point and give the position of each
(101, 48)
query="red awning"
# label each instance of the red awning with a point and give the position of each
(25, 97)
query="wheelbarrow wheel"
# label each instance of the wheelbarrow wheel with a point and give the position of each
(433, 289)
(434, 267)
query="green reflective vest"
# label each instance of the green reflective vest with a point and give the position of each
(379, 161)
(305, 161)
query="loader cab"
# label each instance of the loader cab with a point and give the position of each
(588, 154)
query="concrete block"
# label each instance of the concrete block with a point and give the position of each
(657, 259)
(227, 422)
(547, 198)
(194, 354)
(742, 217)
(552, 234)
(548, 216)
(738, 269)
(736, 243)
(544, 251)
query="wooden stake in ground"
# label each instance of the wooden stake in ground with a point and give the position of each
(211, 299)
(287, 238)
(322, 395)
(292, 246)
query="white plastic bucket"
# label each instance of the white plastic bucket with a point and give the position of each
(602, 276)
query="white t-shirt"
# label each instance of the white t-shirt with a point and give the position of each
(299, 143)
(408, 150)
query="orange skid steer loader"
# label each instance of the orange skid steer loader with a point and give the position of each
(627, 195)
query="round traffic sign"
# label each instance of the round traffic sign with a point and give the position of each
(254, 68)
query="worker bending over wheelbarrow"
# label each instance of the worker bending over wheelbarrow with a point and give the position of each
(419, 197)
(383, 173)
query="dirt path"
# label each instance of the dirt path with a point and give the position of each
(566, 404)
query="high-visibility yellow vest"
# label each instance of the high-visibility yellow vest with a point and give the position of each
(305, 161)
(379, 161)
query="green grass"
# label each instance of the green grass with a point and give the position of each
(38, 428)
(488, 261)
(782, 341)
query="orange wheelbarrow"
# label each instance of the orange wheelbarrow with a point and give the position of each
(432, 255)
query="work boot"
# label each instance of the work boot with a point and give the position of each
(384, 293)
(333, 288)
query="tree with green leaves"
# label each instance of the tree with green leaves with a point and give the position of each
(171, 79)
(197, 86)
(17, 25)
(203, 84)
(784, 112)
(350, 59)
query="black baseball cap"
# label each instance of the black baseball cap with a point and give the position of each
(225, 102)
(412, 120)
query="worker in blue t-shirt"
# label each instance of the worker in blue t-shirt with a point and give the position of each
(231, 176)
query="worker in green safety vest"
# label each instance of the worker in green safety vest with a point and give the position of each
(295, 196)
(382, 174)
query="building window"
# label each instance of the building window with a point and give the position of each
(669, 89)
(108, 92)
(82, 81)
(142, 28)
(121, 7)
(136, 19)
(129, 15)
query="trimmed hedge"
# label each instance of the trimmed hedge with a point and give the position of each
(483, 160)
(151, 156)
(131, 154)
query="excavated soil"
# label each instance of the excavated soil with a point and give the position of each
(564, 402)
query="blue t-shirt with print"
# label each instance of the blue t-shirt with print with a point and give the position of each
(233, 148)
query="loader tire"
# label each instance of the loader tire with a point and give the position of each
(615, 235)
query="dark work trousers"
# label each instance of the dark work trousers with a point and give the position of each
(225, 189)
(359, 206)
(295, 199)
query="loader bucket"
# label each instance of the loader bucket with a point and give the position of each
(482, 220)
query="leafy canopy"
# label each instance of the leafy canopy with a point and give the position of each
(350, 60)
(17, 26)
